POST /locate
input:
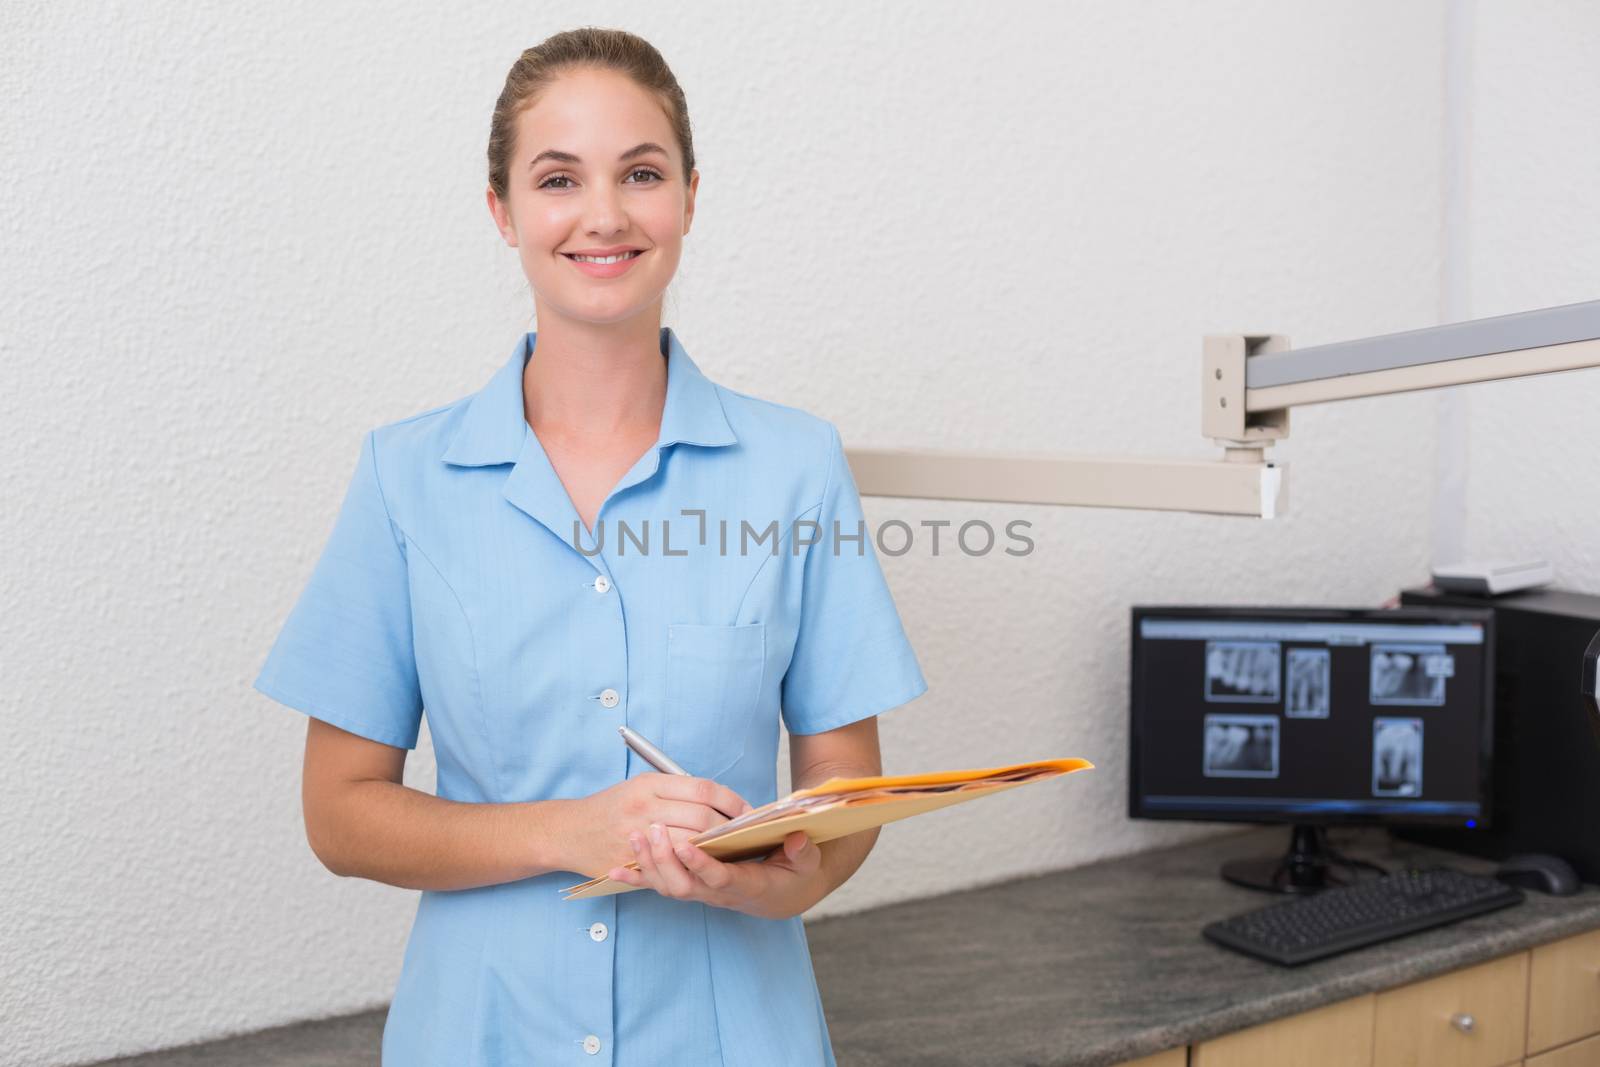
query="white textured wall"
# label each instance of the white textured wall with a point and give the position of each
(234, 240)
(1533, 240)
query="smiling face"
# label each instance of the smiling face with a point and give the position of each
(596, 171)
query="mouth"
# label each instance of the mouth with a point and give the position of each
(632, 253)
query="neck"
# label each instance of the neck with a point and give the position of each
(585, 381)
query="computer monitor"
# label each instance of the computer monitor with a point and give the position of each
(1311, 717)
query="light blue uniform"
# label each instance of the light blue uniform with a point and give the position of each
(459, 579)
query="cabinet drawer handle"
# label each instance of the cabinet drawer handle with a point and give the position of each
(1463, 1022)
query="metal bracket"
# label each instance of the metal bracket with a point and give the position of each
(1223, 415)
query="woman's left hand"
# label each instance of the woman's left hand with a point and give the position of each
(783, 884)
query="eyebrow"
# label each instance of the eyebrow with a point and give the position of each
(567, 157)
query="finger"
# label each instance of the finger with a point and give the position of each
(712, 794)
(803, 854)
(679, 882)
(677, 835)
(795, 843)
(688, 814)
(652, 873)
(647, 865)
(706, 867)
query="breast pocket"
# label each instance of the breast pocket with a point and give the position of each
(714, 676)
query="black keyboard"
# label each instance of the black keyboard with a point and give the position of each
(1350, 917)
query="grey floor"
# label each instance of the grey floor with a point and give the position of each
(348, 1041)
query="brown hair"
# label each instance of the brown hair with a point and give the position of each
(586, 48)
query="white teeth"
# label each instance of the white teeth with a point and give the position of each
(605, 259)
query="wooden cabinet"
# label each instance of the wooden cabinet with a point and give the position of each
(1470, 1018)
(1173, 1057)
(1585, 1053)
(1564, 992)
(1339, 1035)
(1532, 1009)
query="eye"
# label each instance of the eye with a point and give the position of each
(653, 176)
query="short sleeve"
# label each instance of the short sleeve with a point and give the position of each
(851, 656)
(345, 653)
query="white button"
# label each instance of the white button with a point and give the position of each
(591, 1044)
(609, 697)
(598, 931)
(601, 584)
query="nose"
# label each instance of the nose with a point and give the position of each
(602, 211)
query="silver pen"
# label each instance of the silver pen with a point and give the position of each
(653, 755)
(650, 753)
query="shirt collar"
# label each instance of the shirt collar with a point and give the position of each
(495, 423)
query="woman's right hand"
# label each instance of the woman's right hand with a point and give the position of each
(684, 804)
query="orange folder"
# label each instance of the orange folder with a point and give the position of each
(842, 806)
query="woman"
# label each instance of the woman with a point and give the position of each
(600, 536)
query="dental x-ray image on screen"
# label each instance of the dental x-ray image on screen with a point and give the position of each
(1241, 746)
(1396, 757)
(1410, 674)
(1242, 672)
(1324, 755)
(1309, 681)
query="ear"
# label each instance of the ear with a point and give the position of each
(688, 204)
(502, 217)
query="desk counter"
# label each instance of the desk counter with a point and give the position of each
(1104, 964)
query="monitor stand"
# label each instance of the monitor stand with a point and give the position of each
(1309, 865)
